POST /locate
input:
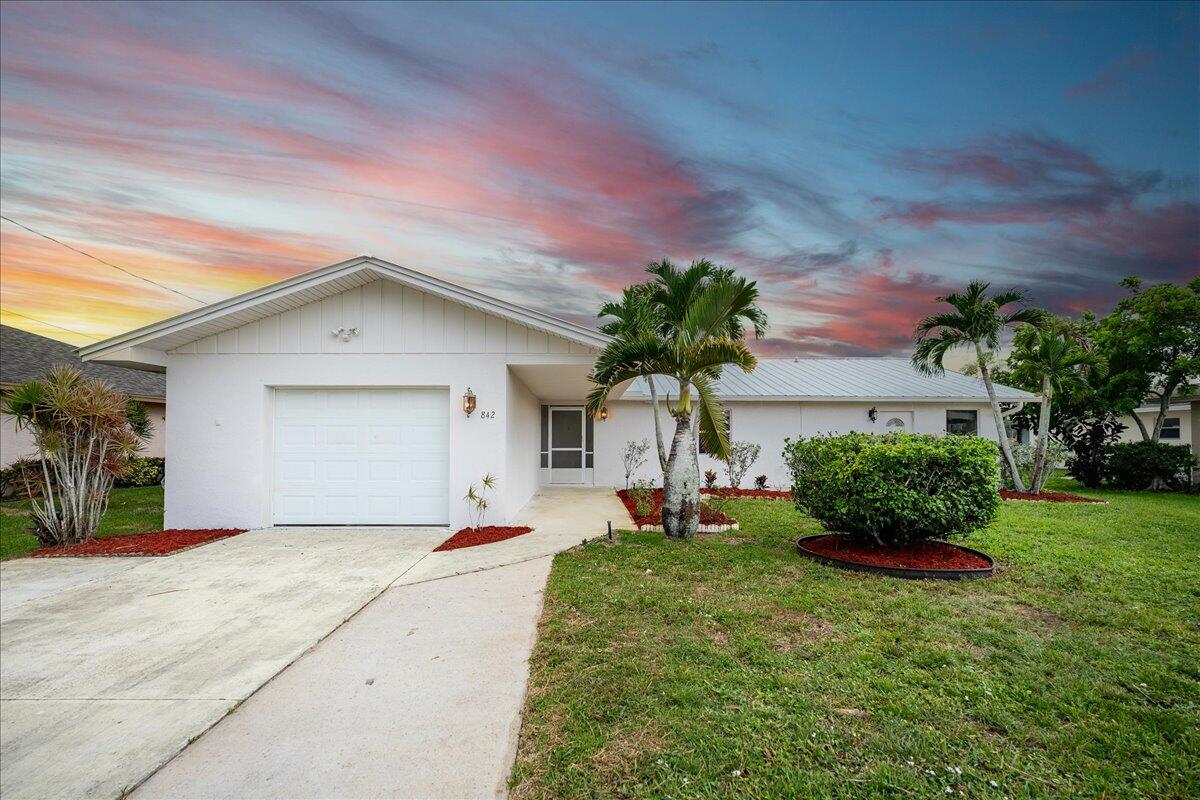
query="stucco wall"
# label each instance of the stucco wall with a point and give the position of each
(15, 444)
(1133, 434)
(523, 429)
(219, 429)
(767, 424)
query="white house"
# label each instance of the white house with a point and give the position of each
(368, 393)
(1176, 429)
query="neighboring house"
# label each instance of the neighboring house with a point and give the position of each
(1176, 429)
(25, 356)
(341, 396)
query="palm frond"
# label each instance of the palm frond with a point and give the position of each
(711, 418)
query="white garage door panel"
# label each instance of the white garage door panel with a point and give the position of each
(361, 457)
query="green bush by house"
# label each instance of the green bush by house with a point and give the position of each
(1146, 465)
(895, 489)
(144, 471)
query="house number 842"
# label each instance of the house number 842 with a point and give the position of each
(487, 416)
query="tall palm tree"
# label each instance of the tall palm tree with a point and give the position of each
(699, 323)
(1060, 364)
(976, 322)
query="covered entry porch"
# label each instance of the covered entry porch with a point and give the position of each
(565, 440)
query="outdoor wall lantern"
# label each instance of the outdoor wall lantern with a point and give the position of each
(469, 402)
(603, 415)
(873, 414)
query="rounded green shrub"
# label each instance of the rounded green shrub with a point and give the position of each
(143, 471)
(898, 488)
(1147, 465)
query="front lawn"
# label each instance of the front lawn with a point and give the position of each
(135, 510)
(734, 667)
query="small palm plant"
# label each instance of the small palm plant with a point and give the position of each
(86, 432)
(476, 500)
(976, 321)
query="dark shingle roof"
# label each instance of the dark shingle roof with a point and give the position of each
(25, 356)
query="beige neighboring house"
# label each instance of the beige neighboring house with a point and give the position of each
(25, 356)
(1177, 425)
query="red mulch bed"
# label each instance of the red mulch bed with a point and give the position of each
(921, 555)
(158, 543)
(471, 537)
(1047, 497)
(751, 494)
(708, 515)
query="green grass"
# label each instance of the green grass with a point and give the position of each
(732, 667)
(130, 511)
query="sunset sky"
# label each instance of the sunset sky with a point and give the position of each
(857, 160)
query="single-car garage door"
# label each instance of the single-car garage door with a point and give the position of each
(361, 457)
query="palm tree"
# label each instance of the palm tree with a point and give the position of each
(976, 322)
(697, 319)
(634, 315)
(1060, 364)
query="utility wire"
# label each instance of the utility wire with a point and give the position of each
(50, 324)
(102, 261)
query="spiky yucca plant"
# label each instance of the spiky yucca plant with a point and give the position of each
(86, 432)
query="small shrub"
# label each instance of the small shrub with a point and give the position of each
(742, 456)
(760, 482)
(710, 479)
(642, 493)
(1023, 454)
(1147, 465)
(145, 471)
(22, 479)
(898, 488)
(1087, 439)
(633, 456)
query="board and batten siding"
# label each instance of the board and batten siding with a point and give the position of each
(391, 318)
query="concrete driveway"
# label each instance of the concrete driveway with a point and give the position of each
(108, 667)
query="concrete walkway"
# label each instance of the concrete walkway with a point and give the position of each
(419, 695)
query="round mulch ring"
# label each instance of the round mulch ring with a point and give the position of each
(928, 559)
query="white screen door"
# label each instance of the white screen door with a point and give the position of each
(566, 445)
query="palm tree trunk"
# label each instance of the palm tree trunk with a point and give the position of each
(1001, 431)
(1038, 478)
(681, 486)
(662, 452)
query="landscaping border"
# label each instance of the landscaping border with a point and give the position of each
(902, 572)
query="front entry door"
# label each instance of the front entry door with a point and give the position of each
(566, 445)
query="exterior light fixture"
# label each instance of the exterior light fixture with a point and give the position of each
(603, 415)
(469, 402)
(344, 333)
(873, 414)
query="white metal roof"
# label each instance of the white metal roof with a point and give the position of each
(839, 379)
(312, 286)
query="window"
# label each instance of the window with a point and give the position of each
(963, 423)
(728, 427)
(1170, 428)
(894, 424)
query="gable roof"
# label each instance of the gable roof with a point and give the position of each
(840, 379)
(25, 356)
(310, 287)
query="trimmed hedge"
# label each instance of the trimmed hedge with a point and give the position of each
(143, 471)
(898, 488)
(1137, 465)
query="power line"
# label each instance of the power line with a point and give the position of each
(101, 260)
(50, 324)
